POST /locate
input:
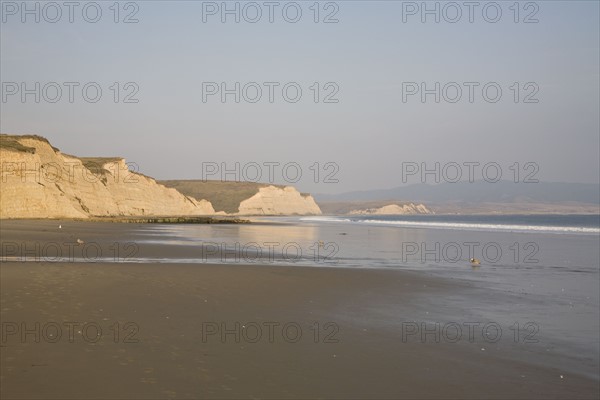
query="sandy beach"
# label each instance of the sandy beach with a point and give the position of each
(181, 330)
(299, 200)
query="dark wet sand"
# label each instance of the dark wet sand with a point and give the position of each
(171, 304)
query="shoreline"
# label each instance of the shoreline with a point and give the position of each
(197, 328)
(146, 219)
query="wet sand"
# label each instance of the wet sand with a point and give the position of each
(175, 345)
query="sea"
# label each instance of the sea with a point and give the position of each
(532, 292)
(537, 276)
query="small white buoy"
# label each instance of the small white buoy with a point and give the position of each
(80, 241)
(60, 227)
(561, 377)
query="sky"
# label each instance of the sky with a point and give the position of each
(361, 78)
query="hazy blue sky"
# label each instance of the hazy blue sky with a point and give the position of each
(368, 54)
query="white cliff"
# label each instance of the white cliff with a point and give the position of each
(394, 209)
(272, 200)
(38, 181)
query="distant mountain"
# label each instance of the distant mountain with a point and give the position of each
(478, 192)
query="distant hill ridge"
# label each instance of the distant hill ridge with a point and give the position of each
(478, 192)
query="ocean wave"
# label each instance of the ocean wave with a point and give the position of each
(461, 225)
(326, 219)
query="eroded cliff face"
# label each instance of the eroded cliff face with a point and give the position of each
(394, 209)
(38, 181)
(272, 200)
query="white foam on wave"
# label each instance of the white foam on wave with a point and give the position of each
(325, 219)
(458, 225)
(462, 225)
